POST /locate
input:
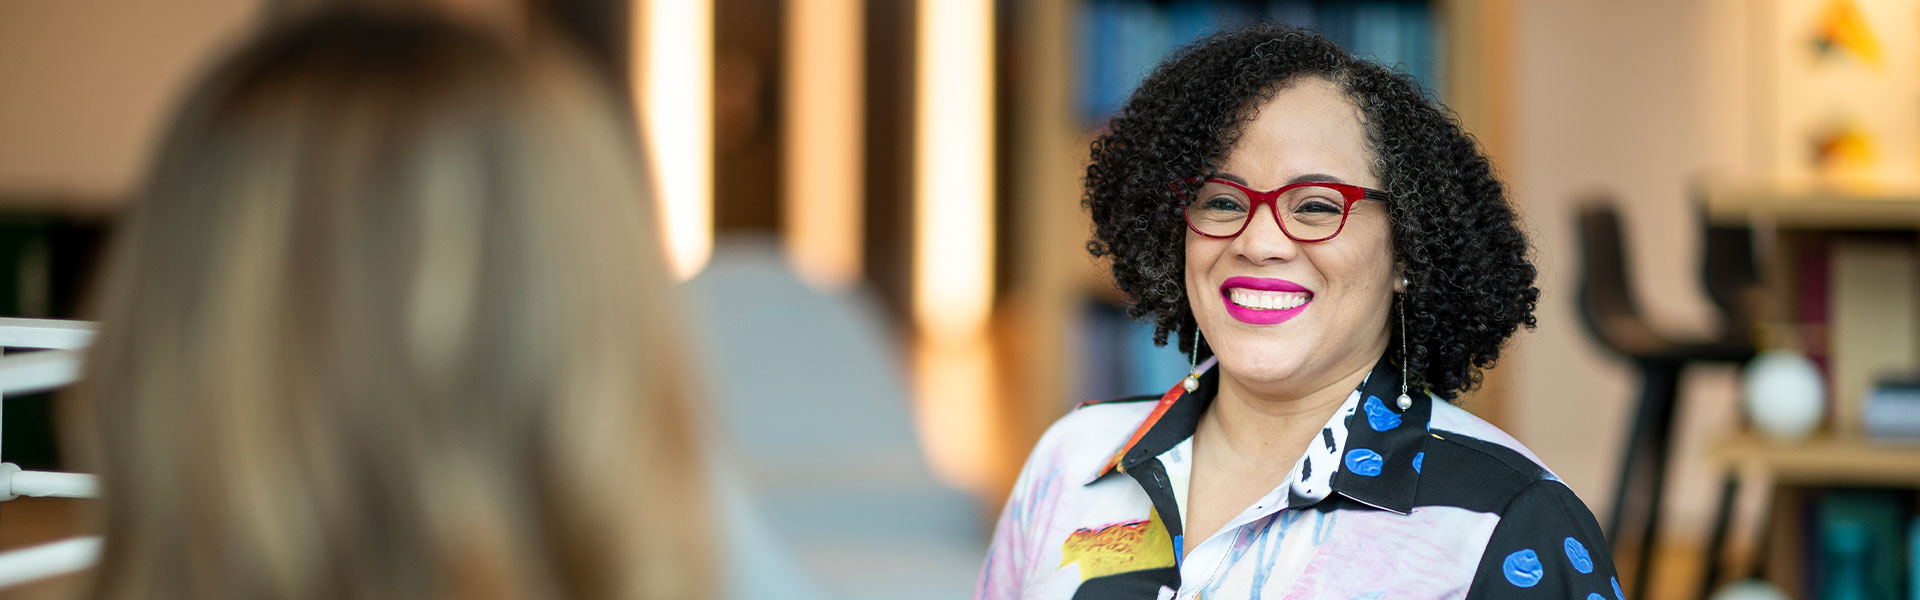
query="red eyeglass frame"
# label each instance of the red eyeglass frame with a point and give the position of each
(1351, 193)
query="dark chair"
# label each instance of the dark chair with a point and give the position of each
(1607, 306)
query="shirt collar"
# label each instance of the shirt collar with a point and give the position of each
(1382, 454)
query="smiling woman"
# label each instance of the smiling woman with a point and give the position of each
(1341, 248)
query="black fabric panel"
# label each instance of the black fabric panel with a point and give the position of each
(1152, 477)
(1177, 424)
(1513, 459)
(1461, 474)
(1130, 585)
(1337, 502)
(1547, 545)
(1117, 401)
(1401, 437)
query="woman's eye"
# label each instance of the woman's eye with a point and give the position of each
(1226, 203)
(1317, 205)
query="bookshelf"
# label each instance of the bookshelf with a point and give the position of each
(1818, 462)
(1799, 484)
(1843, 286)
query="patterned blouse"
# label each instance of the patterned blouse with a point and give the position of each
(1429, 502)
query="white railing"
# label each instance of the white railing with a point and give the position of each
(37, 371)
(49, 334)
(47, 560)
(57, 364)
(45, 484)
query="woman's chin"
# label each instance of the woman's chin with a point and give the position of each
(1261, 370)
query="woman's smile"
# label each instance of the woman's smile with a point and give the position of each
(1263, 301)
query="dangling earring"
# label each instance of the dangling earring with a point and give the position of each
(1194, 366)
(1405, 401)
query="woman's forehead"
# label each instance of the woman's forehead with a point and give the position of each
(1310, 126)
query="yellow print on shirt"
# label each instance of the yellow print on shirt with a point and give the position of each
(1119, 548)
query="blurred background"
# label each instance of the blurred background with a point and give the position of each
(875, 205)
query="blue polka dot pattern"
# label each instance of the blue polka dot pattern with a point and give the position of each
(1617, 594)
(1523, 568)
(1417, 459)
(1596, 596)
(1378, 416)
(1577, 555)
(1361, 461)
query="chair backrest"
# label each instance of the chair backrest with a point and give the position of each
(1729, 269)
(1605, 288)
(1606, 285)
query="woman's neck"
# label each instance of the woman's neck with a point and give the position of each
(1261, 426)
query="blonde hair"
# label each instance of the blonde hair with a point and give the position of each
(390, 320)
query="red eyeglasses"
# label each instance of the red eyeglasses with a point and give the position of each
(1308, 211)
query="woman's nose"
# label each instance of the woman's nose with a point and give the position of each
(1263, 239)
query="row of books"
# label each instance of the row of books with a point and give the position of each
(1120, 41)
(1891, 410)
(1856, 295)
(1868, 545)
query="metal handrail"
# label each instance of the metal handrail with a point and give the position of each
(50, 334)
(15, 482)
(34, 563)
(55, 366)
(32, 372)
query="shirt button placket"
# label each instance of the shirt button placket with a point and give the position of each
(1219, 566)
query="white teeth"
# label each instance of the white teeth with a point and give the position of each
(1267, 299)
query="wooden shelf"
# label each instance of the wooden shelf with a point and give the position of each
(1808, 205)
(1789, 476)
(1821, 461)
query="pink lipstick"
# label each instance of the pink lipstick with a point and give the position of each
(1262, 301)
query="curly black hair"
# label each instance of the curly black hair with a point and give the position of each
(1470, 281)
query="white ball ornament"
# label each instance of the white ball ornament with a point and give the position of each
(1783, 395)
(1750, 589)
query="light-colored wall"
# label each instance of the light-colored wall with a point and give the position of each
(86, 85)
(1637, 98)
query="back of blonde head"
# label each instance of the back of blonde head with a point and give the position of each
(391, 321)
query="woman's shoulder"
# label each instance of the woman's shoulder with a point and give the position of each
(1089, 435)
(1098, 417)
(1544, 541)
(1469, 428)
(1472, 464)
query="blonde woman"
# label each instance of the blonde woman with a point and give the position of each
(389, 321)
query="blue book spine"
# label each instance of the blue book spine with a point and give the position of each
(1097, 23)
(1913, 559)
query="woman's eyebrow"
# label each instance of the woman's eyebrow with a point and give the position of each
(1319, 177)
(1316, 177)
(1232, 177)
